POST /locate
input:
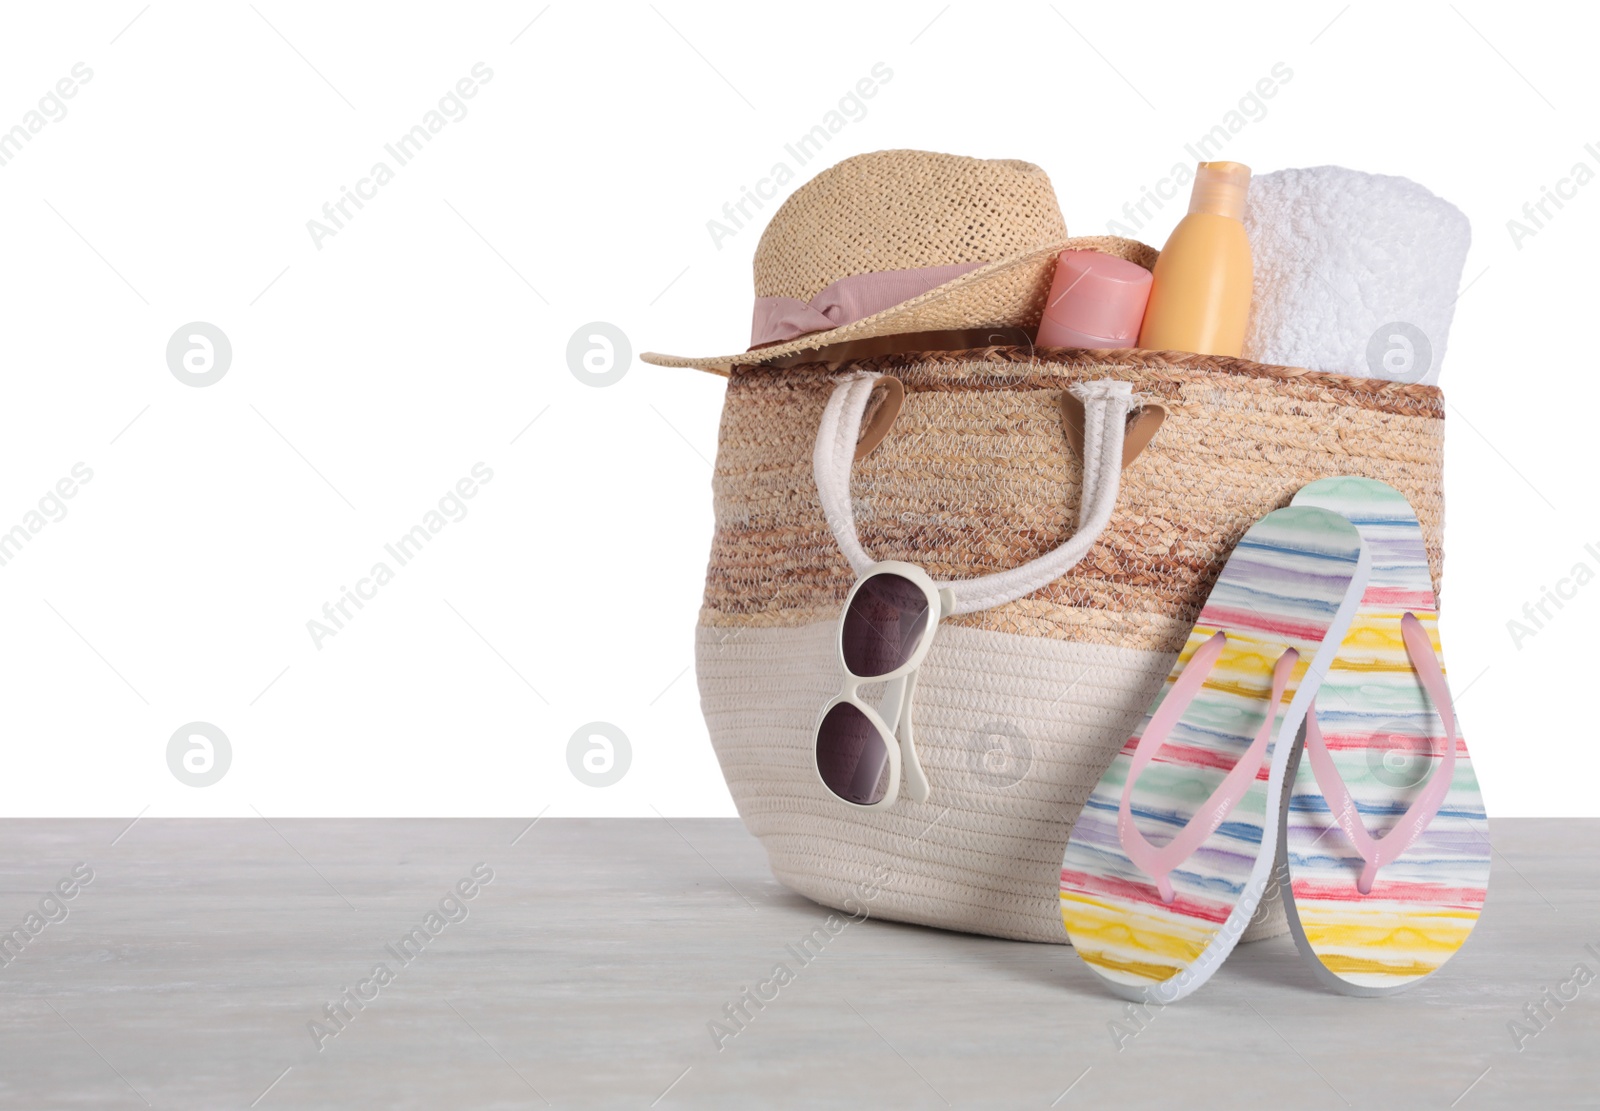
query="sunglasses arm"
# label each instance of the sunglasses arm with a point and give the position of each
(897, 700)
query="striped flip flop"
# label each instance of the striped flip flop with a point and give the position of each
(1175, 845)
(1385, 845)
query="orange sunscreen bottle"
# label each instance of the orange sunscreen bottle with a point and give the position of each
(1200, 295)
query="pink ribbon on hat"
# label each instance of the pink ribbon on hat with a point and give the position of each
(846, 301)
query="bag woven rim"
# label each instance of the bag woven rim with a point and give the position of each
(1134, 358)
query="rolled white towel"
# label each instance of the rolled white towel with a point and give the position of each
(1354, 273)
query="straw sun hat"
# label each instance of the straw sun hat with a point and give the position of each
(905, 241)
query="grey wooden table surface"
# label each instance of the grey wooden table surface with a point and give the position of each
(205, 964)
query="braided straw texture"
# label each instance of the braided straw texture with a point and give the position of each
(1019, 708)
(902, 210)
(908, 209)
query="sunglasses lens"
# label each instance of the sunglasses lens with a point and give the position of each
(851, 756)
(884, 624)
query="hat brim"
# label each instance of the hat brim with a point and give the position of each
(1009, 292)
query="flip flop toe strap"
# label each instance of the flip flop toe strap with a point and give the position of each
(1376, 852)
(1156, 862)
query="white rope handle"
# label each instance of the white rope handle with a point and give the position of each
(1106, 403)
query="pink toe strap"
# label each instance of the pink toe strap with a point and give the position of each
(1157, 863)
(1376, 852)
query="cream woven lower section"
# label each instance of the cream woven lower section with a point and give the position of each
(1012, 731)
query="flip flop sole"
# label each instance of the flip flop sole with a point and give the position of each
(1382, 731)
(1293, 581)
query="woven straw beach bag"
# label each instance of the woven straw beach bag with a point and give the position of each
(1021, 703)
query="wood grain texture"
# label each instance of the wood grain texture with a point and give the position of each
(591, 965)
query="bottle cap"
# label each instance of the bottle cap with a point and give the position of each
(1220, 188)
(1096, 300)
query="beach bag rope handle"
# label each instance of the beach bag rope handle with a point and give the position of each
(1106, 404)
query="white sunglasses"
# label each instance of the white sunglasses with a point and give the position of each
(885, 632)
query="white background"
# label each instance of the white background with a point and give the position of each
(370, 375)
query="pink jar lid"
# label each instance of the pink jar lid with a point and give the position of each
(1096, 300)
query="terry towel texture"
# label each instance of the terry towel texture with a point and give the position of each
(1341, 255)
